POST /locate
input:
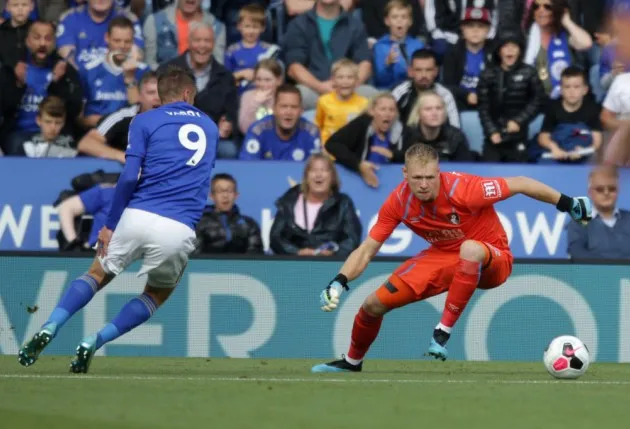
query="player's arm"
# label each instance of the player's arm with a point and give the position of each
(359, 259)
(136, 152)
(579, 208)
(389, 217)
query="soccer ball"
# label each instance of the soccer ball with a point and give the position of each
(566, 357)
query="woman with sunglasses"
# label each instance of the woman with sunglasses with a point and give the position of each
(553, 41)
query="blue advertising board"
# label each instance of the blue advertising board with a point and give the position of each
(28, 187)
(269, 308)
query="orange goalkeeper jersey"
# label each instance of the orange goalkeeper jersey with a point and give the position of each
(462, 211)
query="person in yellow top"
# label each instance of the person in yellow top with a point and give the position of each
(337, 108)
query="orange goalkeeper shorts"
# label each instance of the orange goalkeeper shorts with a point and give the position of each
(431, 273)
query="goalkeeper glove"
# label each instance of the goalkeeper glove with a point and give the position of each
(329, 298)
(580, 208)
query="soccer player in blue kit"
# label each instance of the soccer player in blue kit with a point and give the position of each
(159, 198)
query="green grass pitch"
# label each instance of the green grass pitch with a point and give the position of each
(282, 394)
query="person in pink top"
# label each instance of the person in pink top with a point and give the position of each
(258, 102)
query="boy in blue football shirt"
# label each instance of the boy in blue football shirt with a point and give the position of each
(241, 57)
(81, 31)
(285, 135)
(111, 82)
(159, 198)
(393, 51)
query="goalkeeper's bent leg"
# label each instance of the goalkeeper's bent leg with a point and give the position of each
(473, 255)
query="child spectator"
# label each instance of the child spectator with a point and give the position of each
(337, 108)
(393, 51)
(49, 143)
(222, 227)
(241, 57)
(465, 61)
(510, 96)
(572, 130)
(13, 32)
(369, 140)
(258, 102)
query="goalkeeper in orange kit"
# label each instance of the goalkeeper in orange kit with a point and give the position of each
(469, 248)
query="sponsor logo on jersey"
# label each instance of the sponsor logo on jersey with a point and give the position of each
(491, 189)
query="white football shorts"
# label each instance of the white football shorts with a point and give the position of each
(163, 243)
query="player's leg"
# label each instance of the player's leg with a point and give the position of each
(367, 324)
(409, 283)
(78, 293)
(473, 255)
(166, 246)
(133, 314)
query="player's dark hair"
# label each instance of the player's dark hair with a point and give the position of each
(147, 77)
(172, 82)
(119, 22)
(287, 88)
(421, 152)
(335, 183)
(424, 54)
(222, 176)
(574, 71)
(52, 106)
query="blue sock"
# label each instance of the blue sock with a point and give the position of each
(78, 294)
(134, 313)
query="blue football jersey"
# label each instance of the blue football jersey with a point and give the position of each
(37, 81)
(77, 28)
(238, 57)
(178, 146)
(104, 87)
(262, 141)
(97, 202)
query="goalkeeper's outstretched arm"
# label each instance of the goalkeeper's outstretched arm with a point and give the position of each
(533, 189)
(580, 208)
(359, 259)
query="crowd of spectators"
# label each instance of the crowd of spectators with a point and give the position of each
(359, 81)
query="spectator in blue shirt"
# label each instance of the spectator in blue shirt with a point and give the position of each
(319, 38)
(111, 82)
(81, 31)
(95, 201)
(393, 51)
(607, 236)
(241, 57)
(285, 135)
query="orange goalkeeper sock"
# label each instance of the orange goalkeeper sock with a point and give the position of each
(364, 332)
(462, 289)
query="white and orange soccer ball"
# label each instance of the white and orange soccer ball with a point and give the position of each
(566, 357)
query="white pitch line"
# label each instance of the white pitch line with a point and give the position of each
(300, 380)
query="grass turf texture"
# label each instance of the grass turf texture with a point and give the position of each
(282, 394)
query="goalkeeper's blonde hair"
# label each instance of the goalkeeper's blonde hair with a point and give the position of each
(422, 153)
